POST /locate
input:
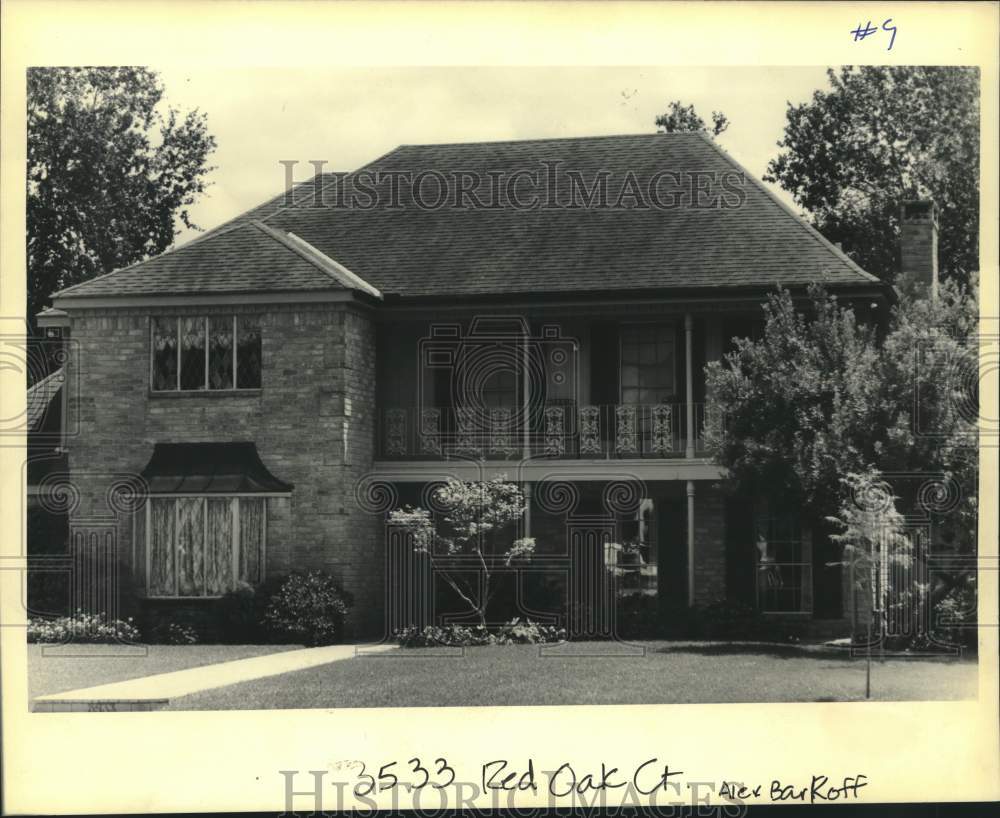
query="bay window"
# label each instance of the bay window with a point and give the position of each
(200, 546)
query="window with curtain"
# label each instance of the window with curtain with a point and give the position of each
(194, 353)
(200, 546)
(647, 364)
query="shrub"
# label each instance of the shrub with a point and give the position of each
(173, 633)
(638, 617)
(515, 632)
(82, 627)
(527, 632)
(309, 608)
(954, 619)
(432, 636)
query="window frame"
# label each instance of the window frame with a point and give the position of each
(670, 327)
(647, 539)
(490, 392)
(147, 511)
(803, 564)
(207, 389)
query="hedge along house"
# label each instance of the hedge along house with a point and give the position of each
(541, 309)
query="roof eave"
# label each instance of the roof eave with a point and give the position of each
(213, 298)
(862, 289)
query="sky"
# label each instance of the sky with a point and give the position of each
(348, 117)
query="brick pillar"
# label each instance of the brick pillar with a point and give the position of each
(709, 546)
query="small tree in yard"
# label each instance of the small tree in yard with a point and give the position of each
(874, 548)
(473, 517)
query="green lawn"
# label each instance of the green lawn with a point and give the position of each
(90, 665)
(668, 673)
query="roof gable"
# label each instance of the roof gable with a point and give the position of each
(245, 257)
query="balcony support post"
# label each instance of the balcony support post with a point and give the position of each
(527, 509)
(689, 384)
(526, 427)
(526, 400)
(690, 542)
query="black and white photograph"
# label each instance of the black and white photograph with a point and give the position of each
(473, 386)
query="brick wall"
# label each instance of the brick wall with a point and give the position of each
(709, 544)
(311, 422)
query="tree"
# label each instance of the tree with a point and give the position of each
(928, 415)
(879, 136)
(818, 397)
(795, 401)
(109, 173)
(680, 117)
(473, 517)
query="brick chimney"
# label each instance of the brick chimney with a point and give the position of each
(919, 247)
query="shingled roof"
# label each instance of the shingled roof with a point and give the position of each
(412, 252)
(240, 258)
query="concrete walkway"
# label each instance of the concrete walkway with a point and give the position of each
(155, 692)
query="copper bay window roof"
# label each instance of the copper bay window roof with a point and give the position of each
(210, 468)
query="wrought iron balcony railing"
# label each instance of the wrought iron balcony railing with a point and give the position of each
(563, 431)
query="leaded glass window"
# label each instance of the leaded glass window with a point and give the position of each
(193, 353)
(164, 341)
(248, 353)
(220, 352)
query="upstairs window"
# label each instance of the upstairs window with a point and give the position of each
(500, 389)
(199, 353)
(647, 364)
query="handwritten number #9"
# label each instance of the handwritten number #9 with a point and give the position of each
(868, 29)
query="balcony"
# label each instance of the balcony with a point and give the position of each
(554, 431)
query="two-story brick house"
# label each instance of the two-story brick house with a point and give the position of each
(542, 309)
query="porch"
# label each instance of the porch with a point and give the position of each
(618, 383)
